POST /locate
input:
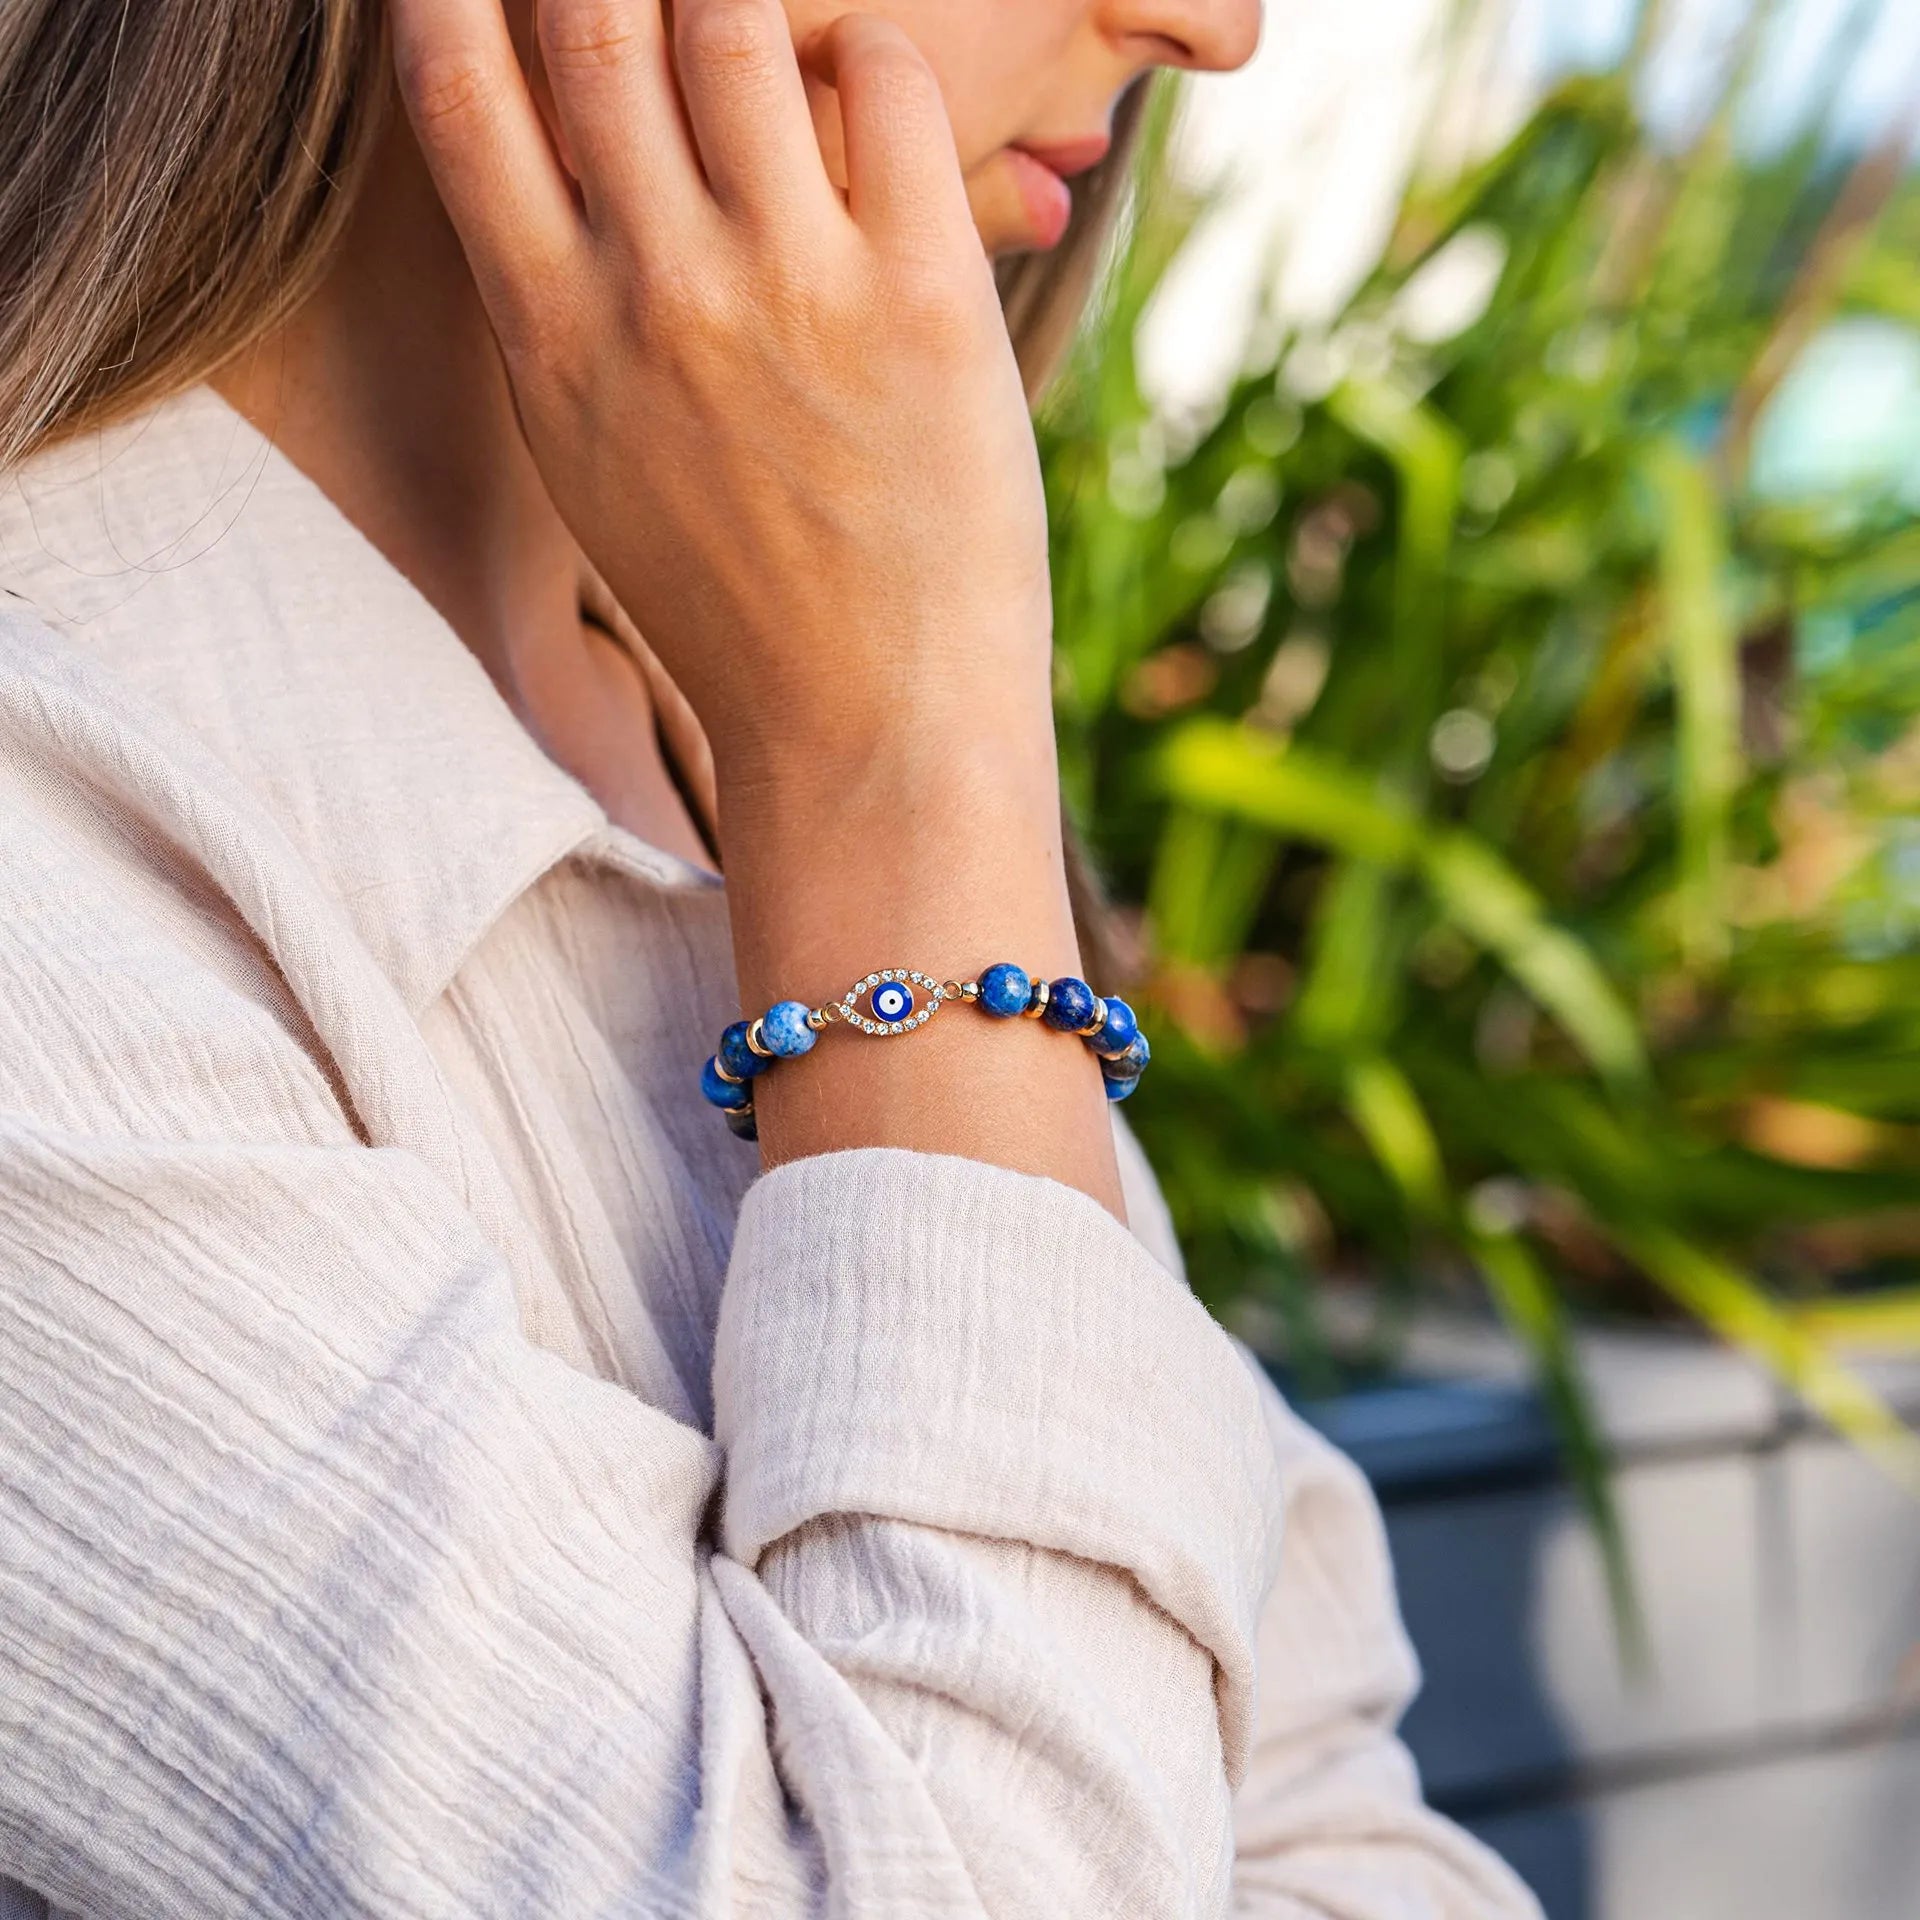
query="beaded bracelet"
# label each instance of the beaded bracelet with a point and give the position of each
(895, 1005)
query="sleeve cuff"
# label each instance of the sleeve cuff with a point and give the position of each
(936, 1340)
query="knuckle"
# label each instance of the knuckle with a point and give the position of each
(447, 89)
(537, 317)
(930, 308)
(803, 313)
(532, 328)
(677, 310)
(899, 101)
(727, 38)
(585, 34)
(891, 67)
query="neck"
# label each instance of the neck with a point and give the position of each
(386, 389)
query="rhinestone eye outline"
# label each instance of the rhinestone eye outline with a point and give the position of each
(919, 1010)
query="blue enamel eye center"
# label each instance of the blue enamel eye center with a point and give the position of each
(892, 1001)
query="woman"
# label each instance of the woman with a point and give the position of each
(436, 1476)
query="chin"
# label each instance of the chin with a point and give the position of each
(1018, 246)
(1016, 206)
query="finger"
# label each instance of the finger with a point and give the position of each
(903, 174)
(610, 72)
(484, 143)
(747, 104)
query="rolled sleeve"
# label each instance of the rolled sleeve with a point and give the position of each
(923, 1338)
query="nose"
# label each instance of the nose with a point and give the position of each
(1212, 36)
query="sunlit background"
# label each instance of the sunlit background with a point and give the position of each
(1488, 574)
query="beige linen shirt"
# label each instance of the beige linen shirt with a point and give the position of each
(441, 1475)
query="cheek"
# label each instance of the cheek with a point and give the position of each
(997, 62)
(993, 58)
(807, 18)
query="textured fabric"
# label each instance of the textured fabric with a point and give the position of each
(440, 1476)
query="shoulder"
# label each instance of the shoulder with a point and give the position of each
(131, 983)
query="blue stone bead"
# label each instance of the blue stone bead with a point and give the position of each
(1069, 1004)
(1131, 1064)
(1005, 990)
(1119, 1032)
(783, 1027)
(723, 1093)
(737, 1057)
(742, 1124)
(1118, 1086)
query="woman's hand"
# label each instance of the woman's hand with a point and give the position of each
(783, 421)
(786, 427)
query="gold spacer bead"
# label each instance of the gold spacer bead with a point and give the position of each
(1098, 1021)
(757, 1045)
(1038, 1004)
(732, 1079)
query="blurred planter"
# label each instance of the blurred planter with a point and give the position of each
(1768, 1764)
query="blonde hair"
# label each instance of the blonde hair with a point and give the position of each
(175, 175)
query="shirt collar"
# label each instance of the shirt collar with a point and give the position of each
(183, 549)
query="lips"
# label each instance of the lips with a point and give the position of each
(1068, 159)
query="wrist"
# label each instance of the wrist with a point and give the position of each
(943, 856)
(939, 774)
(926, 696)
(935, 848)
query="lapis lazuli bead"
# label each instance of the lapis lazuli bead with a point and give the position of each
(1131, 1064)
(1118, 1087)
(742, 1122)
(737, 1057)
(1069, 1004)
(723, 1093)
(1005, 990)
(1117, 1033)
(783, 1028)
(892, 1002)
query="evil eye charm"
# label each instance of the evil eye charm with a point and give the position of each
(898, 999)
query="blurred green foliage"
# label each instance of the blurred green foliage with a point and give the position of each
(1510, 767)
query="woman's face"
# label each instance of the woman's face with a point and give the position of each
(1031, 86)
